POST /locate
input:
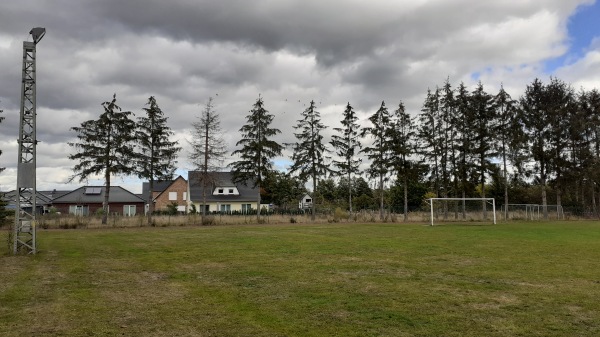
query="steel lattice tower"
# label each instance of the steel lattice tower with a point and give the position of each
(24, 230)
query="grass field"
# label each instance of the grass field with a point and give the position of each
(516, 279)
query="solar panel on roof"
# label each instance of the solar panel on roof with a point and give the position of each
(93, 190)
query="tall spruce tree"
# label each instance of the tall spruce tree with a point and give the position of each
(105, 146)
(309, 152)
(587, 149)
(208, 148)
(157, 153)
(464, 121)
(402, 147)
(258, 149)
(483, 150)
(347, 145)
(379, 151)
(538, 131)
(562, 108)
(508, 136)
(428, 131)
(447, 143)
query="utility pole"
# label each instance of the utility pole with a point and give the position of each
(24, 230)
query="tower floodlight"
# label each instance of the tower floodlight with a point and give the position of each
(25, 230)
(37, 33)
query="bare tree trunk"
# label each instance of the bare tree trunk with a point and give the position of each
(544, 198)
(150, 201)
(258, 206)
(381, 197)
(405, 198)
(350, 192)
(203, 216)
(594, 209)
(483, 188)
(106, 198)
(505, 184)
(464, 204)
(314, 201)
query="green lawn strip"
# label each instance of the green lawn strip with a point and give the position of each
(527, 279)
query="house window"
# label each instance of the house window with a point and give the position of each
(129, 210)
(226, 208)
(181, 209)
(79, 210)
(172, 196)
(220, 191)
(246, 208)
(308, 200)
(184, 195)
(231, 191)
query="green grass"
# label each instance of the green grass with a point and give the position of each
(517, 279)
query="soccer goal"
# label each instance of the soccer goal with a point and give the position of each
(532, 211)
(462, 209)
(521, 211)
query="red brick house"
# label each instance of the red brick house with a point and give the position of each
(166, 192)
(88, 200)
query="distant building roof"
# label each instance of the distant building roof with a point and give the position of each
(220, 179)
(42, 197)
(95, 194)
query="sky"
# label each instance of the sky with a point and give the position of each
(289, 52)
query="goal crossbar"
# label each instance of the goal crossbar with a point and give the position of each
(491, 201)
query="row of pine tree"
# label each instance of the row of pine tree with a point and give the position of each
(461, 141)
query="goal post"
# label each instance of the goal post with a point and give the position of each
(486, 200)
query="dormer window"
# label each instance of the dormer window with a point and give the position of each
(226, 191)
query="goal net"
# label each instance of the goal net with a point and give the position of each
(462, 209)
(532, 212)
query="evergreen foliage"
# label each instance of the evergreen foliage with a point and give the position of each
(347, 145)
(483, 133)
(508, 135)
(402, 147)
(283, 190)
(257, 148)
(157, 153)
(428, 132)
(379, 151)
(308, 158)
(464, 122)
(4, 213)
(105, 146)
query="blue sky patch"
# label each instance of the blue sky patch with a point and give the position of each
(583, 27)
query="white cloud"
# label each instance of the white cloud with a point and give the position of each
(289, 52)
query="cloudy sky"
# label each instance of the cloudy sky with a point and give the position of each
(290, 52)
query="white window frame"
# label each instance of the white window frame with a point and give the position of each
(127, 210)
(172, 196)
(246, 208)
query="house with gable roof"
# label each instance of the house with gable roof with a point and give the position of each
(43, 200)
(222, 194)
(87, 200)
(166, 192)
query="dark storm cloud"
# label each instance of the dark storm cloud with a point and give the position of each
(289, 52)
